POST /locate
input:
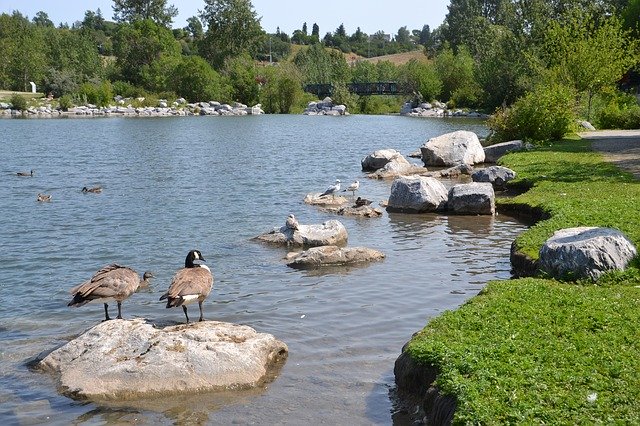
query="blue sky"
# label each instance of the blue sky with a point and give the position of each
(370, 16)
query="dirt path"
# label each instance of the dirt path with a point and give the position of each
(621, 147)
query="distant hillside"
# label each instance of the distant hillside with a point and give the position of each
(396, 58)
(399, 58)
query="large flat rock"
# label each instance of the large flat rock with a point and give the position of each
(122, 359)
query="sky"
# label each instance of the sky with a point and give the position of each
(371, 16)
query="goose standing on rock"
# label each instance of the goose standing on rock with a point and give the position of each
(95, 189)
(353, 187)
(191, 283)
(27, 174)
(332, 189)
(113, 282)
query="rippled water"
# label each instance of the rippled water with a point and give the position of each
(213, 183)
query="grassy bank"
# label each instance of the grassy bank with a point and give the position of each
(539, 351)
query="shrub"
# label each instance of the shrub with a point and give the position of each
(542, 115)
(99, 94)
(65, 102)
(127, 90)
(18, 102)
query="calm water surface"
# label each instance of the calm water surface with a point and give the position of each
(213, 183)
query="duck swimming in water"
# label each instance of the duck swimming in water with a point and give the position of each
(95, 189)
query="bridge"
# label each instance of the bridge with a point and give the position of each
(361, 89)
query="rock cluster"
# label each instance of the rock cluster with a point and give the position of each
(123, 109)
(121, 359)
(325, 107)
(388, 163)
(437, 109)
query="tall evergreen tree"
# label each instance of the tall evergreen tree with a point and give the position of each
(136, 10)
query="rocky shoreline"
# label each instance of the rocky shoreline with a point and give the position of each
(178, 108)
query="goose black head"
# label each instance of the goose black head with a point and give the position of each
(147, 275)
(191, 256)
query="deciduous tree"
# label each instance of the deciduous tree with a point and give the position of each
(136, 10)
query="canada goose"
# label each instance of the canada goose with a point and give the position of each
(30, 174)
(353, 187)
(191, 283)
(43, 198)
(95, 189)
(113, 282)
(332, 189)
(362, 202)
(292, 222)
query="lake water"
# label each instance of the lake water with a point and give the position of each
(214, 183)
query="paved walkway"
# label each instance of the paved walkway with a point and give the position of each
(621, 147)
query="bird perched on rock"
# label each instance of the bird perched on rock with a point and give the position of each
(43, 198)
(191, 283)
(353, 187)
(28, 174)
(292, 222)
(113, 282)
(332, 189)
(362, 202)
(95, 189)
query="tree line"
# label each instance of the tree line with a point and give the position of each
(487, 54)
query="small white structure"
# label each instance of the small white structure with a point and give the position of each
(33, 87)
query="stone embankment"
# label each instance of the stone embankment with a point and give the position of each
(437, 109)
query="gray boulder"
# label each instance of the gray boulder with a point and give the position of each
(331, 232)
(417, 194)
(398, 166)
(498, 176)
(122, 359)
(493, 152)
(362, 211)
(317, 199)
(585, 252)
(333, 256)
(472, 198)
(378, 159)
(461, 147)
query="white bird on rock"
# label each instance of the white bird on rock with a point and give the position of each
(292, 222)
(332, 189)
(353, 187)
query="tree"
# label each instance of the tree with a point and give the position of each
(233, 27)
(242, 74)
(364, 72)
(404, 36)
(42, 20)
(304, 28)
(195, 80)
(136, 10)
(587, 57)
(320, 65)
(194, 28)
(340, 31)
(421, 79)
(457, 74)
(282, 88)
(138, 45)
(315, 30)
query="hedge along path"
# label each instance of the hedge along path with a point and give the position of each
(620, 147)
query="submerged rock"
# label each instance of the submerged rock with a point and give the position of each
(331, 232)
(585, 252)
(333, 255)
(122, 359)
(361, 211)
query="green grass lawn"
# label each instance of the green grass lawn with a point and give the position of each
(537, 351)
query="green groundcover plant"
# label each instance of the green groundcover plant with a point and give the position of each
(538, 351)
